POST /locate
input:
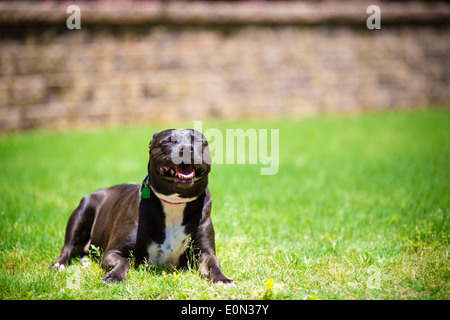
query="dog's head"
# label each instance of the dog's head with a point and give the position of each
(179, 163)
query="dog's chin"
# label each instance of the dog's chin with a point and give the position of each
(178, 183)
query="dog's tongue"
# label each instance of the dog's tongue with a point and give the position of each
(185, 171)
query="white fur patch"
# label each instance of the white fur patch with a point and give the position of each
(176, 240)
(174, 198)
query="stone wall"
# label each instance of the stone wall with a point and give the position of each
(158, 62)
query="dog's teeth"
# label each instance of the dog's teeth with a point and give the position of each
(172, 172)
(185, 176)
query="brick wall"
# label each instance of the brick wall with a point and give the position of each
(169, 62)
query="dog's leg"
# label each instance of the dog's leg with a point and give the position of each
(78, 231)
(120, 266)
(209, 266)
(207, 262)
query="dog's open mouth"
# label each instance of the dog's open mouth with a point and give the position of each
(182, 172)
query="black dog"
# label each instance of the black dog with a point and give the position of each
(154, 220)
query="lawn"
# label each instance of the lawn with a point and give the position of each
(359, 209)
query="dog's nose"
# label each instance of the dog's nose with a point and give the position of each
(184, 147)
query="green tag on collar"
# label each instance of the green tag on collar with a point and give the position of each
(145, 193)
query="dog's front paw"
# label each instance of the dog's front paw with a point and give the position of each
(224, 280)
(58, 266)
(218, 277)
(113, 277)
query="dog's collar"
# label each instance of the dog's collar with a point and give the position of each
(145, 189)
(145, 192)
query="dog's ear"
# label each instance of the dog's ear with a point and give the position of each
(153, 138)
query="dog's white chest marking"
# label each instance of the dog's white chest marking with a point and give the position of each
(176, 240)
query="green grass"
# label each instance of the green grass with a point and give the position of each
(358, 210)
